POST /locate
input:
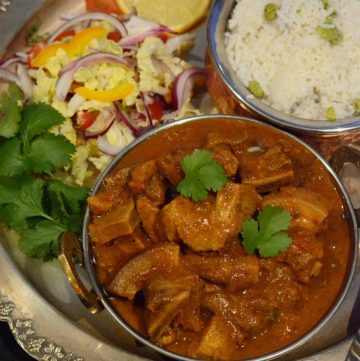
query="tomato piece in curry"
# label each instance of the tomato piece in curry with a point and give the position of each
(177, 270)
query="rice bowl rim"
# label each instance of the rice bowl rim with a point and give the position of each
(217, 26)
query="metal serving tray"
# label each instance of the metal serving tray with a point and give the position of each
(44, 315)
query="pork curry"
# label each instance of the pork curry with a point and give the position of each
(177, 270)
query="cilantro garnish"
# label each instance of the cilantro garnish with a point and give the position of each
(268, 234)
(202, 174)
(32, 147)
(32, 201)
(10, 112)
(33, 37)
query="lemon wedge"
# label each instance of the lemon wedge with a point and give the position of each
(179, 16)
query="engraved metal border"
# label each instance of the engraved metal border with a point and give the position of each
(37, 347)
(4, 4)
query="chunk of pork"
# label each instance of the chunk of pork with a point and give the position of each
(266, 170)
(205, 226)
(165, 296)
(121, 221)
(141, 175)
(235, 273)
(307, 208)
(131, 278)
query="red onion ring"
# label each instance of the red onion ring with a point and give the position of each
(137, 25)
(12, 60)
(9, 76)
(175, 43)
(138, 38)
(126, 120)
(25, 80)
(89, 16)
(21, 54)
(75, 103)
(67, 74)
(182, 87)
(106, 147)
(146, 105)
(13, 78)
(102, 124)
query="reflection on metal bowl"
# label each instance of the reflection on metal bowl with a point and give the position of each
(315, 338)
(231, 96)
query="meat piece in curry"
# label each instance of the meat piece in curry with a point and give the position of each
(203, 294)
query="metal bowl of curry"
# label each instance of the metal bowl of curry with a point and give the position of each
(218, 237)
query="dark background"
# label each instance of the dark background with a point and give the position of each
(9, 349)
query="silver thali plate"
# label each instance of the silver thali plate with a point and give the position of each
(36, 299)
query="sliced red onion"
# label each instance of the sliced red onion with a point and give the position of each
(67, 74)
(12, 60)
(25, 80)
(75, 103)
(14, 78)
(138, 38)
(106, 147)
(102, 123)
(137, 25)
(22, 55)
(174, 44)
(89, 16)
(9, 76)
(122, 115)
(181, 90)
(147, 101)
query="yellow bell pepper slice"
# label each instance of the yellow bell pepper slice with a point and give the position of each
(119, 92)
(83, 38)
(45, 54)
(76, 46)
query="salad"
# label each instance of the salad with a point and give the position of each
(76, 98)
(112, 77)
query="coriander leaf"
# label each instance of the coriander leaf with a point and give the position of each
(273, 220)
(41, 241)
(25, 192)
(191, 187)
(213, 176)
(72, 195)
(66, 201)
(279, 242)
(196, 160)
(202, 174)
(249, 233)
(49, 151)
(33, 37)
(10, 114)
(11, 158)
(268, 234)
(13, 216)
(37, 119)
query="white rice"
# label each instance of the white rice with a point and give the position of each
(300, 73)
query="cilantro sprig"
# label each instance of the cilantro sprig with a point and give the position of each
(33, 37)
(32, 201)
(268, 233)
(202, 174)
(31, 147)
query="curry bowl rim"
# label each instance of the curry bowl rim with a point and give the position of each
(352, 262)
